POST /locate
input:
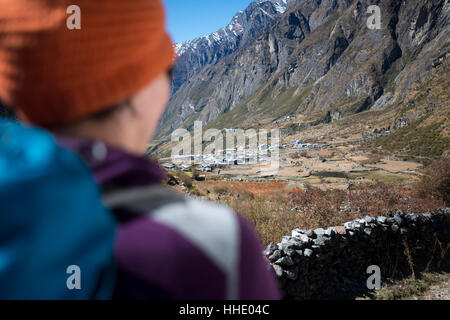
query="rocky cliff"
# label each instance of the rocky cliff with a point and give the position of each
(310, 58)
(245, 26)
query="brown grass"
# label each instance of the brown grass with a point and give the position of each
(435, 182)
(277, 214)
(275, 211)
(408, 289)
(254, 189)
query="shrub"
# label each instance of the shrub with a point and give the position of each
(6, 112)
(277, 214)
(220, 189)
(243, 194)
(435, 181)
(187, 181)
(195, 173)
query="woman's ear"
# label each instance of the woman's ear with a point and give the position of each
(170, 74)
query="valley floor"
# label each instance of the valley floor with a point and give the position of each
(337, 180)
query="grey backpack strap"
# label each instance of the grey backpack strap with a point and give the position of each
(141, 199)
(213, 229)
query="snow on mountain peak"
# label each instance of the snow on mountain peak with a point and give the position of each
(233, 29)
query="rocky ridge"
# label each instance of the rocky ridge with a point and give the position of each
(317, 57)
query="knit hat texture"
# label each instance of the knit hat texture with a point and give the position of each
(56, 75)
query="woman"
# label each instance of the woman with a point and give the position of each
(101, 91)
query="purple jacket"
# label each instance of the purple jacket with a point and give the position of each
(169, 246)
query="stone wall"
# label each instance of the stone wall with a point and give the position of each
(333, 263)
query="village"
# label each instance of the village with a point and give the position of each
(234, 157)
(337, 163)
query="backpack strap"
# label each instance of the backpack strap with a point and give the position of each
(213, 229)
(141, 200)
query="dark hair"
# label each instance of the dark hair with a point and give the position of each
(6, 112)
(170, 73)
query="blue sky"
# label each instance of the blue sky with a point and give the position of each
(189, 19)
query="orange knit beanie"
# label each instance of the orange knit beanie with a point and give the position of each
(55, 75)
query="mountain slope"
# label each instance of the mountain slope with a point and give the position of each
(199, 56)
(318, 59)
(355, 67)
(245, 26)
